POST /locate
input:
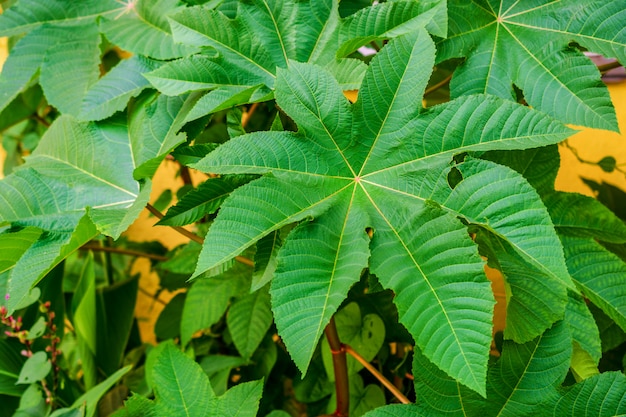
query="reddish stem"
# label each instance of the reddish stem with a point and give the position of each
(340, 366)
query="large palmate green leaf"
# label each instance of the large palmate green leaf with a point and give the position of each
(267, 34)
(528, 44)
(380, 166)
(65, 188)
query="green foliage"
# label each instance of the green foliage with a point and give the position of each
(369, 222)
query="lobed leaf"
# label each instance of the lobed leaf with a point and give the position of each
(334, 249)
(267, 35)
(392, 176)
(527, 45)
(197, 315)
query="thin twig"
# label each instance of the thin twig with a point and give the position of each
(153, 296)
(185, 175)
(181, 230)
(340, 366)
(123, 251)
(40, 120)
(438, 85)
(192, 235)
(392, 388)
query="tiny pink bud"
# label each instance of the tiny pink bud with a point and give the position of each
(7, 296)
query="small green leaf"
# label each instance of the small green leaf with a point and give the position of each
(583, 366)
(36, 368)
(180, 385)
(85, 323)
(391, 19)
(154, 129)
(240, 401)
(87, 404)
(248, 320)
(197, 314)
(362, 398)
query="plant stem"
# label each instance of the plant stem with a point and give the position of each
(185, 175)
(340, 366)
(181, 230)
(247, 115)
(123, 251)
(609, 66)
(438, 85)
(192, 235)
(392, 388)
(108, 243)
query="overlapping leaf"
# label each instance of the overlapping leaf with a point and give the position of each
(267, 34)
(68, 175)
(526, 44)
(378, 165)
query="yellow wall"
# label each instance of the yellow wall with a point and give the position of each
(593, 145)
